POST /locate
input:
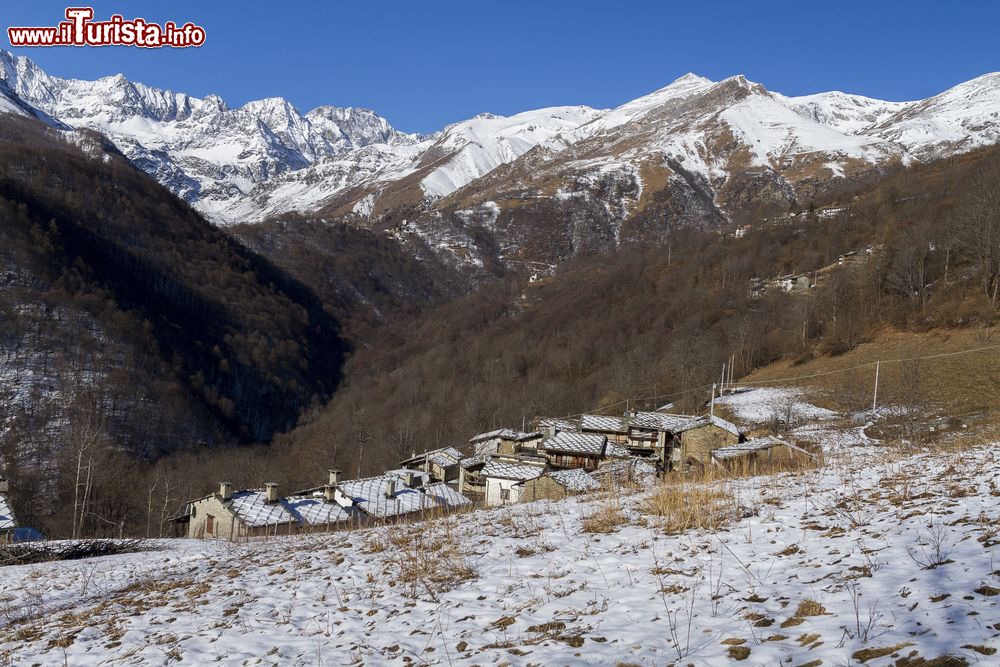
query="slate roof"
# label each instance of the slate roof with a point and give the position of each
(7, 521)
(314, 510)
(622, 470)
(659, 420)
(575, 480)
(515, 471)
(603, 423)
(614, 450)
(446, 496)
(444, 457)
(587, 444)
(252, 508)
(755, 445)
(558, 424)
(706, 420)
(473, 461)
(369, 496)
(504, 433)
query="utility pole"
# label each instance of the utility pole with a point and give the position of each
(875, 394)
(711, 404)
(722, 381)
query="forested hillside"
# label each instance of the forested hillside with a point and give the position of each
(132, 328)
(654, 321)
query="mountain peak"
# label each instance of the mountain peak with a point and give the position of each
(688, 79)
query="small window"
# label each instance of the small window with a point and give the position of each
(504, 494)
(209, 524)
(194, 512)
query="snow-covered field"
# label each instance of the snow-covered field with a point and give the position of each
(877, 556)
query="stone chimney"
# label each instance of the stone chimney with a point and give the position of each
(334, 476)
(390, 488)
(409, 478)
(4, 485)
(330, 493)
(272, 492)
(226, 490)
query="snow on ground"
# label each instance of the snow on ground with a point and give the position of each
(760, 405)
(876, 556)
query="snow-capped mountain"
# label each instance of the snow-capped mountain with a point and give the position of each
(694, 152)
(205, 152)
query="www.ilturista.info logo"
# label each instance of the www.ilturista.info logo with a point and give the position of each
(79, 29)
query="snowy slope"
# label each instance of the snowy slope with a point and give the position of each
(960, 119)
(868, 559)
(480, 145)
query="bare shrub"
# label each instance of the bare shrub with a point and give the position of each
(691, 506)
(44, 552)
(606, 519)
(428, 560)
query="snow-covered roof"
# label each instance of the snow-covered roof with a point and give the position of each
(558, 424)
(755, 445)
(574, 480)
(614, 450)
(7, 521)
(446, 496)
(473, 461)
(618, 471)
(444, 457)
(252, 508)
(505, 434)
(706, 420)
(314, 510)
(515, 471)
(502, 433)
(603, 423)
(588, 444)
(368, 494)
(658, 420)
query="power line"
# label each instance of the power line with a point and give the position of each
(790, 379)
(872, 363)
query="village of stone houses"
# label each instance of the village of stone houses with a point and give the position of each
(767, 530)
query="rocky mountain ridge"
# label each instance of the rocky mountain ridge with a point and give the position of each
(533, 187)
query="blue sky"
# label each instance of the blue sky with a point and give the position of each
(425, 64)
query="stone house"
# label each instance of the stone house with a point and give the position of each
(652, 434)
(471, 481)
(504, 479)
(551, 425)
(700, 436)
(615, 429)
(556, 484)
(442, 464)
(7, 522)
(625, 473)
(503, 442)
(399, 494)
(229, 514)
(574, 450)
(761, 453)
(336, 505)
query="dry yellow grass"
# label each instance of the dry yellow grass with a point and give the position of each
(956, 385)
(607, 519)
(683, 507)
(427, 561)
